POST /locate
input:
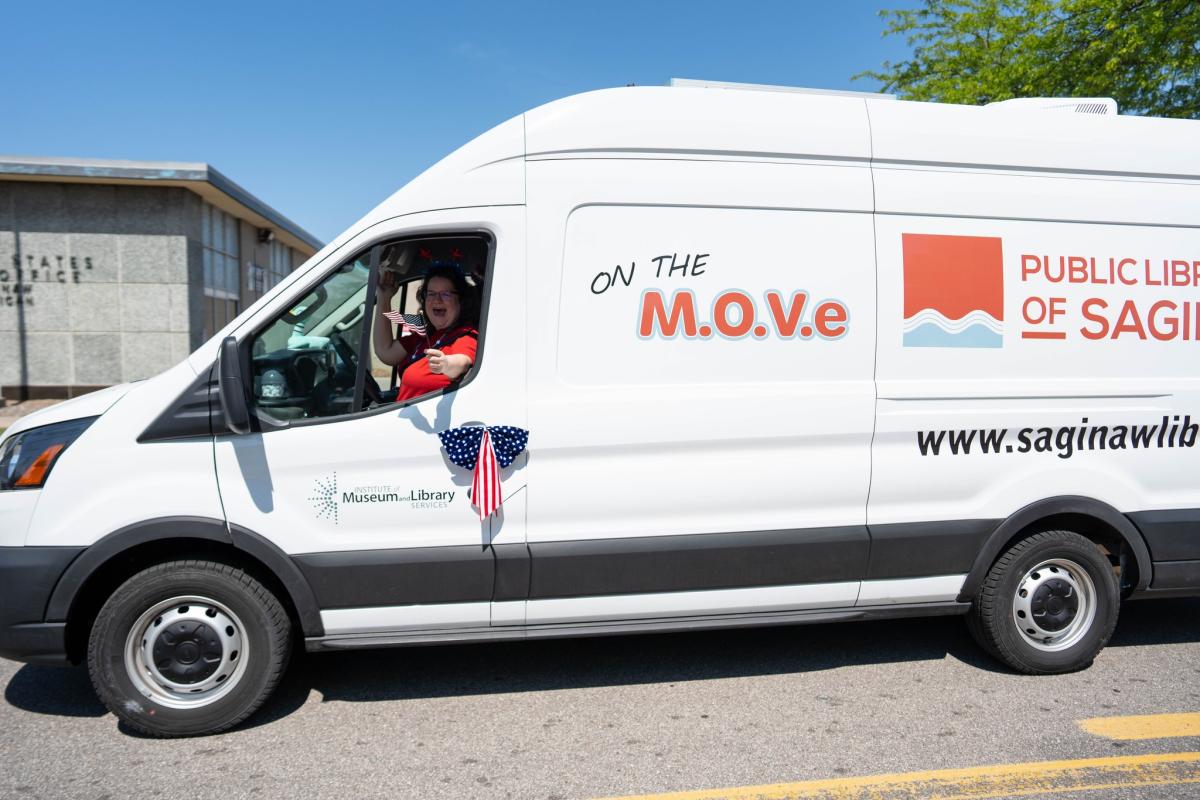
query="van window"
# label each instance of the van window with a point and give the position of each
(307, 362)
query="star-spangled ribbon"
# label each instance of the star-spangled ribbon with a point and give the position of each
(486, 450)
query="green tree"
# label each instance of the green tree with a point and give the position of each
(1143, 53)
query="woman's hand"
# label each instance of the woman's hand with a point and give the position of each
(386, 290)
(387, 346)
(453, 366)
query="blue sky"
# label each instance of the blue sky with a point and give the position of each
(324, 109)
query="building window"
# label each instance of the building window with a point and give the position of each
(280, 264)
(219, 233)
(256, 281)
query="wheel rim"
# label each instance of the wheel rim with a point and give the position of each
(186, 652)
(1054, 605)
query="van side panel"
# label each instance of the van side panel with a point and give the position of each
(695, 430)
(1038, 327)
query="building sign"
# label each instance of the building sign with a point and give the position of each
(22, 274)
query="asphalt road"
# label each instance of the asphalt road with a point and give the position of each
(620, 716)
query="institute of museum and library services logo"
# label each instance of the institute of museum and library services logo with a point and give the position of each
(953, 291)
(330, 502)
(325, 498)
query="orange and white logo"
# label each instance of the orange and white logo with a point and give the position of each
(953, 291)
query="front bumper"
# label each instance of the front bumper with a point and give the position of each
(28, 576)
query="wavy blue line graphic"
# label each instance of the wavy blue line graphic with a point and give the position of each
(976, 317)
(930, 335)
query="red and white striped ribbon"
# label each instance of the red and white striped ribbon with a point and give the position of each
(485, 490)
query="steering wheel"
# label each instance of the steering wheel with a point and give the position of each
(371, 390)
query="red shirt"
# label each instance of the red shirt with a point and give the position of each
(415, 378)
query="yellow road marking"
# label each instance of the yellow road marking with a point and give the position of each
(975, 783)
(1152, 726)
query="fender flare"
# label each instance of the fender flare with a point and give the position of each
(1050, 507)
(165, 528)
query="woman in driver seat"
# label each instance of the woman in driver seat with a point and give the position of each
(440, 356)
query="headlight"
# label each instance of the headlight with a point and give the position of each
(26, 458)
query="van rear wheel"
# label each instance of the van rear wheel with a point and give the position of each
(188, 648)
(1048, 605)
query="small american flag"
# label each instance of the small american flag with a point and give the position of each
(409, 323)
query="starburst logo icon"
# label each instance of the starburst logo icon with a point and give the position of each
(325, 498)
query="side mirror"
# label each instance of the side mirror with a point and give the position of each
(231, 387)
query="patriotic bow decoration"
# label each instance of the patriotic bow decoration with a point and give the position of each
(409, 323)
(485, 450)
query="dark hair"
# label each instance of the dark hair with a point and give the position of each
(468, 301)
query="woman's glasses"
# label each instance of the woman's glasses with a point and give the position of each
(445, 297)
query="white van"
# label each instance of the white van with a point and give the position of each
(781, 358)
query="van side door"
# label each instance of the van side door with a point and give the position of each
(366, 501)
(701, 387)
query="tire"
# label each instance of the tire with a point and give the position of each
(1048, 605)
(188, 648)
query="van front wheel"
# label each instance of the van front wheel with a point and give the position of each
(188, 648)
(1048, 605)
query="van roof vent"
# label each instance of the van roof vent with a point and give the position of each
(1071, 105)
(764, 87)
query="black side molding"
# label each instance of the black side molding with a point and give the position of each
(697, 562)
(40, 643)
(512, 571)
(1052, 507)
(1173, 535)
(288, 573)
(920, 549)
(167, 528)
(112, 545)
(27, 576)
(1175, 579)
(400, 576)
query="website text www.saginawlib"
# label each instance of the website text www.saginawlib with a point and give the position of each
(1064, 441)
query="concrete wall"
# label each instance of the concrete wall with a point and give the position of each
(107, 288)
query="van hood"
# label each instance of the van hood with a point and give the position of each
(92, 404)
